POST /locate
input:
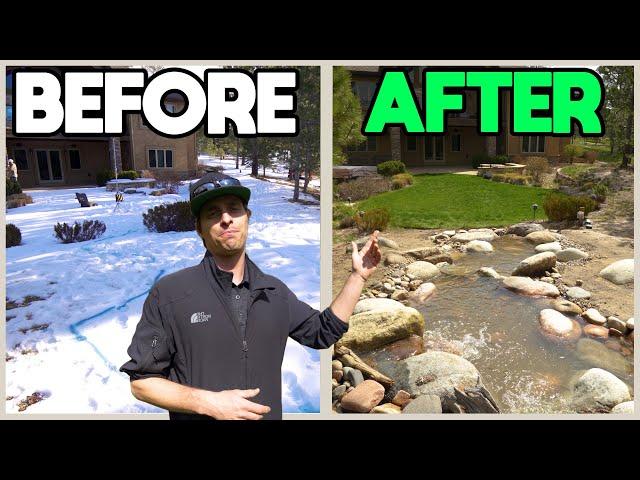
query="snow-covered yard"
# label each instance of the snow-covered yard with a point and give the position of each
(70, 344)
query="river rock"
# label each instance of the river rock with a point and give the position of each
(524, 229)
(449, 233)
(624, 407)
(422, 253)
(424, 404)
(597, 390)
(407, 347)
(548, 247)
(479, 246)
(544, 236)
(547, 280)
(424, 271)
(382, 242)
(336, 365)
(353, 376)
(375, 328)
(527, 286)
(593, 316)
(489, 272)
(616, 323)
(484, 234)
(630, 324)
(577, 293)
(558, 326)
(535, 264)
(363, 397)
(432, 373)
(565, 306)
(401, 398)
(596, 331)
(598, 355)
(620, 272)
(393, 258)
(338, 392)
(400, 295)
(376, 304)
(388, 408)
(423, 292)
(569, 254)
(337, 375)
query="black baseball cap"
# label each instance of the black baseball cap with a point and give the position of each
(212, 185)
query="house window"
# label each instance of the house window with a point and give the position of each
(456, 142)
(533, 144)
(412, 144)
(160, 158)
(369, 145)
(20, 158)
(74, 159)
(364, 91)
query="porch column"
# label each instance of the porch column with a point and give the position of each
(115, 155)
(396, 143)
(490, 145)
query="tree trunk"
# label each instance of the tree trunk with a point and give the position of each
(264, 170)
(237, 153)
(296, 175)
(254, 163)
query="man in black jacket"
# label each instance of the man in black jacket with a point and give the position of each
(211, 339)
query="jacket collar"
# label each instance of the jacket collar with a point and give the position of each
(257, 279)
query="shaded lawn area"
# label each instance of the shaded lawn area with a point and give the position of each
(458, 201)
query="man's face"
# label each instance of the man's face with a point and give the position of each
(223, 224)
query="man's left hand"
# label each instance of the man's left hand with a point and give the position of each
(366, 260)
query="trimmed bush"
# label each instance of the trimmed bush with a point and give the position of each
(169, 217)
(88, 230)
(571, 150)
(501, 159)
(14, 237)
(390, 168)
(371, 220)
(536, 167)
(169, 181)
(401, 180)
(13, 187)
(362, 188)
(560, 207)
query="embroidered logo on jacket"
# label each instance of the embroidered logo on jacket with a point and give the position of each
(200, 317)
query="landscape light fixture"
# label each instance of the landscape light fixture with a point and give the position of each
(534, 207)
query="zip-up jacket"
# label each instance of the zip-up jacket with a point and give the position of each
(188, 335)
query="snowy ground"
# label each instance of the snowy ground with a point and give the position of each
(93, 293)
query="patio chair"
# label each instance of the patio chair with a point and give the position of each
(84, 202)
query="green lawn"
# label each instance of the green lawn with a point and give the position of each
(458, 201)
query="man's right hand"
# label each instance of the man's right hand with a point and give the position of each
(232, 405)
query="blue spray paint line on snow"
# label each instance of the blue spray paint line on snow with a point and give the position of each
(74, 328)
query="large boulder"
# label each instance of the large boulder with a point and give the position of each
(424, 271)
(548, 247)
(376, 304)
(527, 286)
(596, 354)
(558, 327)
(479, 246)
(544, 236)
(597, 390)
(375, 328)
(569, 254)
(432, 373)
(535, 264)
(484, 234)
(620, 272)
(363, 398)
(524, 229)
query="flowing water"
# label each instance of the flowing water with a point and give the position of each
(497, 330)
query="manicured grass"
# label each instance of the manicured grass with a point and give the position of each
(458, 201)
